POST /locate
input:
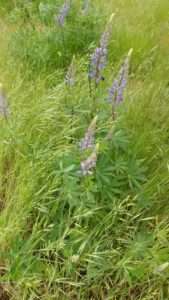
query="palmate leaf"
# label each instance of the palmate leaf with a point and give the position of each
(136, 173)
(120, 140)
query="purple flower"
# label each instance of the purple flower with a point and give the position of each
(70, 75)
(113, 90)
(116, 92)
(98, 59)
(88, 140)
(97, 63)
(90, 163)
(63, 13)
(123, 78)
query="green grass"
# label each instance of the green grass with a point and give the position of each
(103, 236)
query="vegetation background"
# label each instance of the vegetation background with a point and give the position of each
(103, 236)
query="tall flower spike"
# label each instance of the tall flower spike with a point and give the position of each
(116, 92)
(4, 111)
(98, 59)
(113, 91)
(123, 78)
(90, 163)
(97, 64)
(88, 140)
(70, 75)
(63, 13)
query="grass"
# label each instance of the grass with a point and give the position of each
(103, 236)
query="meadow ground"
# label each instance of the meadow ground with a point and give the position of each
(104, 235)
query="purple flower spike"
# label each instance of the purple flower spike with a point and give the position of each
(98, 59)
(116, 92)
(113, 91)
(88, 140)
(70, 76)
(63, 13)
(123, 78)
(90, 163)
(97, 64)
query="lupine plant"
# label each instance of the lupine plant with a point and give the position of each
(97, 64)
(116, 95)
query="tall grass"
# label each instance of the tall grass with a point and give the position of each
(64, 235)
